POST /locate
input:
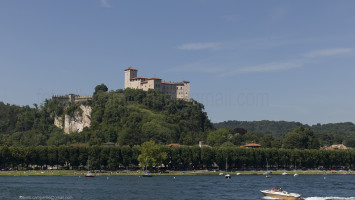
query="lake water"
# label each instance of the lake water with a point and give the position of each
(311, 187)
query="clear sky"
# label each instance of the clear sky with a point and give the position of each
(246, 60)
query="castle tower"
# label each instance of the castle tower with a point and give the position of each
(186, 90)
(128, 74)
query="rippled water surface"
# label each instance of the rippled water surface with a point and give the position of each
(311, 187)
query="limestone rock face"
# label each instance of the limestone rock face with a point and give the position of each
(58, 122)
(75, 123)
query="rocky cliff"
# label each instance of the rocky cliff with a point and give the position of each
(75, 123)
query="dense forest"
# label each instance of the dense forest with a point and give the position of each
(326, 134)
(132, 117)
(126, 117)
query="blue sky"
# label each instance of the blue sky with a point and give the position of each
(246, 60)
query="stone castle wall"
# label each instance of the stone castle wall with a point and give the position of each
(177, 90)
(72, 98)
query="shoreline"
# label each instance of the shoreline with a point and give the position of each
(167, 173)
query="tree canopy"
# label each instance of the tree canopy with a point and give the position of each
(151, 154)
(126, 117)
(326, 134)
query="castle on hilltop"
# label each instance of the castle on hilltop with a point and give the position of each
(177, 90)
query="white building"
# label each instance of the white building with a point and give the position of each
(177, 90)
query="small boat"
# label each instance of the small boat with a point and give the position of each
(295, 170)
(267, 173)
(89, 175)
(147, 175)
(284, 173)
(238, 174)
(221, 174)
(280, 194)
(227, 176)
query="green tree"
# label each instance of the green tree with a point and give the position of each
(175, 157)
(127, 154)
(186, 157)
(301, 138)
(151, 155)
(195, 156)
(350, 142)
(63, 155)
(220, 136)
(83, 155)
(114, 158)
(267, 141)
(101, 87)
(74, 153)
(52, 155)
(136, 150)
(207, 156)
(94, 157)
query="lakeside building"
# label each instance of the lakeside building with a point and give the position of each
(336, 147)
(200, 144)
(177, 90)
(252, 145)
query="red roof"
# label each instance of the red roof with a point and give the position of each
(155, 78)
(337, 147)
(109, 144)
(252, 145)
(172, 83)
(130, 68)
(141, 77)
(174, 145)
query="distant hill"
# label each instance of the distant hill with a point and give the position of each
(280, 128)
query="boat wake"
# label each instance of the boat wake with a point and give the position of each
(319, 198)
(330, 198)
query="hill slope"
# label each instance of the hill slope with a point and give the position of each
(280, 128)
(126, 117)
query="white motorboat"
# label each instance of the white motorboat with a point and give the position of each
(228, 176)
(89, 174)
(284, 173)
(280, 194)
